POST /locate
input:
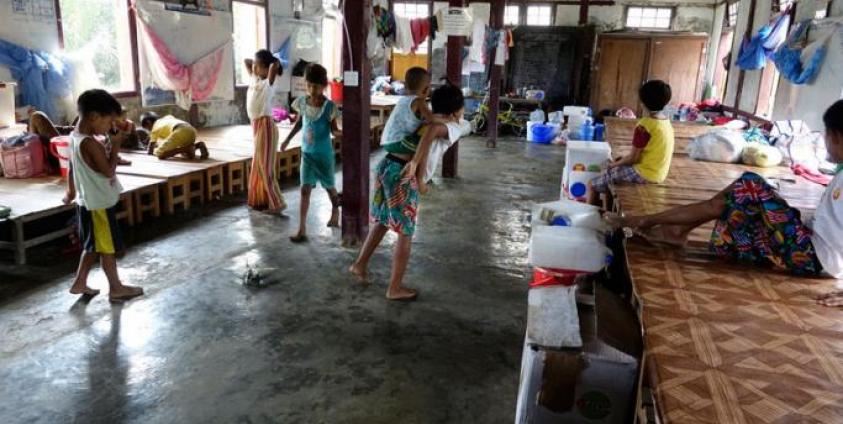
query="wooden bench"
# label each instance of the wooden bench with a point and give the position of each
(731, 342)
(184, 180)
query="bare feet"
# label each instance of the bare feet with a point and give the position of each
(298, 238)
(124, 293)
(402, 294)
(203, 150)
(334, 222)
(83, 290)
(359, 272)
(621, 221)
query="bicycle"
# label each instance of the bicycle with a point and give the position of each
(508, 118)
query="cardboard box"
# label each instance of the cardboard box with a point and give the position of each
(595, 384)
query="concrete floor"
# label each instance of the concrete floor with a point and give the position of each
(313, 346)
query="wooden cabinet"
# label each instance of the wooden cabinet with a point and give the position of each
(625, 61)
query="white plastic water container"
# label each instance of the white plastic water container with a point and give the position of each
(584, 161)
(579, 214)
(530, 125)
(7, 104)
(570, 111)
(537, 116)
(552, 319)
(568, 248)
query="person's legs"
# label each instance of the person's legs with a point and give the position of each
(360, 267)
(80, 283)
(400, 258)
(304, 205)
(117, 290)
(335, 207)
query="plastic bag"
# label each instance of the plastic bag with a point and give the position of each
(762, 155)
(720, 145)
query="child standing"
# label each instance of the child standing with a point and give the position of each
(264, 192)
(652, 146)
(97, 192)
(395, 202)
(318, 117)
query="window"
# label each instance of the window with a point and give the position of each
(649, 17)
(249, 34)
(98, 34)
(512, 16)
(733, 14)
(413, 11)
(539, 15)
(822, 10)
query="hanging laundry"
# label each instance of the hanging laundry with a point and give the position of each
(283, 53)
(420, 29)
(490, 44)
(478, 36)
(386, 24)
(797, 64)
(42, 77)
(502, 53)
(434, 26)
(192, 82)
(754, 51)
(403, 34)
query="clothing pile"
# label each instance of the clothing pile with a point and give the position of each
(43, 77)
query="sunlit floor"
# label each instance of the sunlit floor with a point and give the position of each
(313, 346)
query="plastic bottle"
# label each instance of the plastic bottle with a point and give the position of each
(537, 116)
(587, 131)
(599, 129)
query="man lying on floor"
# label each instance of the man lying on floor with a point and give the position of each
(169, 136)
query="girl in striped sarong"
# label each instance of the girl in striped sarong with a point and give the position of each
(264, 192)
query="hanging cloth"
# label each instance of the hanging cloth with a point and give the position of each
(797, 64)
(283, 53)
(192, 82)
(434, 26)
(403, 34)
(43, 78)
(755, 50)
(420, 29)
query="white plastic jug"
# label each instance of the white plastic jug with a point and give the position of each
(568, 248)
(537, 116)
(579, 214)
(7, 104)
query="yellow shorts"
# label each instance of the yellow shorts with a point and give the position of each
(181, 137)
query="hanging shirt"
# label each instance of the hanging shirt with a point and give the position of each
(259, 97)
(316, 125)
(655, 137)
(93, 189)
(828, 228)
(402, 121)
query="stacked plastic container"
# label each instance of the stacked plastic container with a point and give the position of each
(584, 161)
(567, 241)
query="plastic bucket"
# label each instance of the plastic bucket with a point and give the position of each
(336, 92)
(542, 134)
(60, 148)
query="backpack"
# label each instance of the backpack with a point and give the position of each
(23, 156)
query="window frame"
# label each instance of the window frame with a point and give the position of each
(521, 15)
(525, 17)
(133, 41)
(267, 39)
(626, 26)
(728, 15)
(416, 3)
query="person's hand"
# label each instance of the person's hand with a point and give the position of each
(284, 145)
(409, 169)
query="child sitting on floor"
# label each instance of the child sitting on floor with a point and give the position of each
(411, 111)
(755, 224)
(97, 193)
(395, 202)
(317, 116)
(652, 146)
(169, 136)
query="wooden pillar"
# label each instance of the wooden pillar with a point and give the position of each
(453, 64)
(356, 112)
(747, 34)
(583, 12)
(496, 23)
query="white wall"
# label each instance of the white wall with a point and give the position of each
(752, 79)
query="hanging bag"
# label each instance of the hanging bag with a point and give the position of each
(798, 63)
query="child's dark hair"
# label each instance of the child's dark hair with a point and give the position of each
(148, 118)
(316, 74)
(266, 58)
(98, 101)
(833, 118)
(655, 94)
(447, 99)
(415, 77)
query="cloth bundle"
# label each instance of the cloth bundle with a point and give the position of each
(755, 50)
(43, 77)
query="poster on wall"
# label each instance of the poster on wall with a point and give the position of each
(455, 21)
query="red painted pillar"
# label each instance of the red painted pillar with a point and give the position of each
(496, 23)
(453, 64)
(355, 121)
(583, 12)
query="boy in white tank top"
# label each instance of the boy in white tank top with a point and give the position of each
(97, 192)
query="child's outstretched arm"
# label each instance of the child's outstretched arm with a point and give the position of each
(249, 66)
(273, 72)
(420, 106)
(293, 132)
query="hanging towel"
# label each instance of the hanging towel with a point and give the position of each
(801, 65)
(43, 77)
(502, 53)
(403, 34)
(754, 51)
(283, 53)
(478, 35)
(420, 29)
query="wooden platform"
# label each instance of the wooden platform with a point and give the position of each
(731, 343)
(34, 199)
